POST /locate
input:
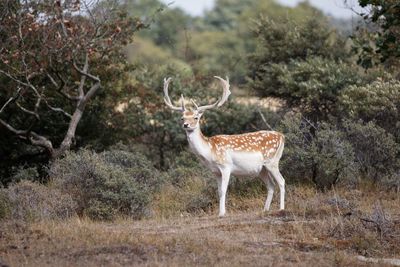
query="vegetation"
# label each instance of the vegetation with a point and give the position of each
(105, 185)
(86, 135)
(320, 228)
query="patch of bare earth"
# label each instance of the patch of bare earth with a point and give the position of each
(316, 230)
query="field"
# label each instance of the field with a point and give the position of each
(338, 227)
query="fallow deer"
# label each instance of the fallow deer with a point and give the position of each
(248, 154)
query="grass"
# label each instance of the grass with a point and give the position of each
(317, 229)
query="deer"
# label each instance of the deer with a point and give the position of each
(248, 154)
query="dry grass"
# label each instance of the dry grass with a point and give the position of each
(317, 229)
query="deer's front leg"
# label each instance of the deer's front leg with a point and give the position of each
(223, 182)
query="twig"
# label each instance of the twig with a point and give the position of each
(264, 120)
(11, 99)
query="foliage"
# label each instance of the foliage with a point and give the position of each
(306, 64)
(222, 54)
(163, 24)
(317, 152)
(29, 173)
(144, 53)
(189, 188)
(312, 85)
(29, 201)
(57, 56)
(378, 102)
(376, 150)
(385, 41)
(282, 41)
(108, 184)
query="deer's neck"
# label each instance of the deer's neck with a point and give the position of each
(199, 143)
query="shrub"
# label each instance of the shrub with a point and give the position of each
(316, 152)
(29, 173)
(376, 150)
(333, 156)
(300, 62)
(189, 188)
(29, 201)
(313, 85)
(5, 205)
(108, 184)
(378, 101)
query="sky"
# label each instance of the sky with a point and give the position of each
(334, 8)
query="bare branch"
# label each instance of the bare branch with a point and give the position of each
(60, 89)
(11, 99)
(12, 129)
(57, 109)
(95, 78)
(92, 91)
(33, 113)
(14, 78)
(33, 137)
(52, 80)
(309, 122)
(83, 78)
(39, 140)
(264, 120)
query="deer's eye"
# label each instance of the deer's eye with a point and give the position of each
(181, 119)
(196, 118)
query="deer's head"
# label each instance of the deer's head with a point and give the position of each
(191, 118)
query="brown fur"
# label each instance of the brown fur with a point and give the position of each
(266, 142)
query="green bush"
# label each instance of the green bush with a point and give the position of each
(189, 188)
(29, 173)
(299, 46)
(313, 85)
(29, 201)
(378, 101)
(107, 184)
(5, 205)
(318, 153)
(376, 150)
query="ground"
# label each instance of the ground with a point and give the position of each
(317, 229)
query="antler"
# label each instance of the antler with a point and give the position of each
(167, 100)
(222, 100)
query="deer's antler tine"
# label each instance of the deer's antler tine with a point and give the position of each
(167, 100)
(224, 97)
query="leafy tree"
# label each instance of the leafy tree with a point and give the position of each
(224, 16)
(386, 39)
(305, 64)
(215, 53)
(163, 24)
(282, 41)
(54, 59)
(377, 102)
(313, 85)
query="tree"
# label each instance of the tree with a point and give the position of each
(304, 63)
(384, 40)
(54, 58)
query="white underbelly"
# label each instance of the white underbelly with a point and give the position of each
(246, 163)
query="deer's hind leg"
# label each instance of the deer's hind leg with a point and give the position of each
(274, 172)
(270, 184)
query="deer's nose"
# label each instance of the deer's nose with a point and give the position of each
(186, 125)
